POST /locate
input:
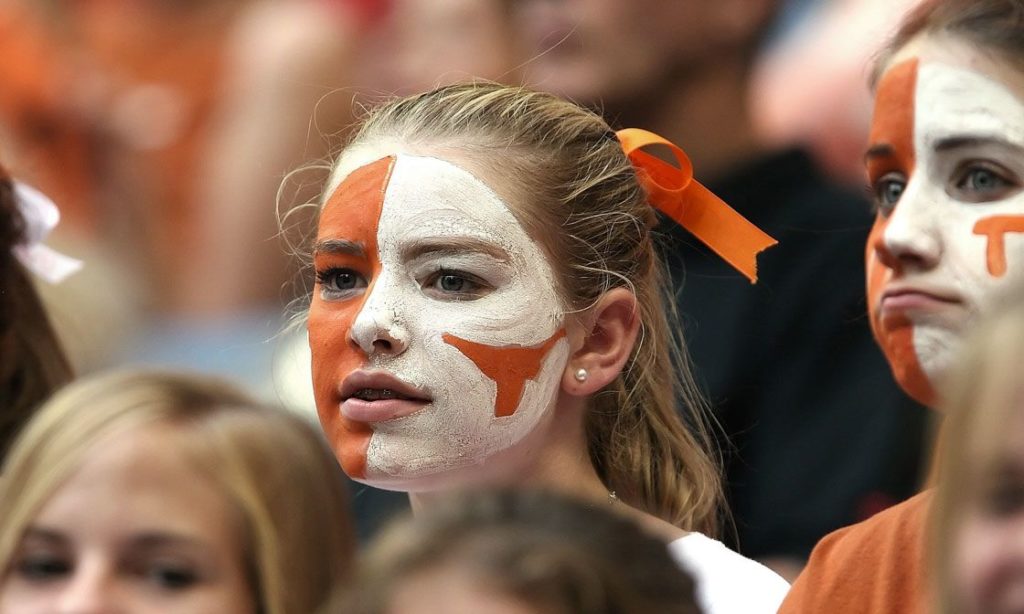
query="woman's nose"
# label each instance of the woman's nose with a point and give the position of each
(89, 590)
(380, 328)
(911, 240)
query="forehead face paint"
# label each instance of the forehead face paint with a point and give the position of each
(946, 161)
(436, 328)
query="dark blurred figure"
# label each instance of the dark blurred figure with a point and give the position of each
(32, 361)
(518, 553)
(822, 434)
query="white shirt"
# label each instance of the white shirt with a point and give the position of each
(727, 582)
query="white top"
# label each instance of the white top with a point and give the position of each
(727, 582)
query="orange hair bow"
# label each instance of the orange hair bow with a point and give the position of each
(675, 192)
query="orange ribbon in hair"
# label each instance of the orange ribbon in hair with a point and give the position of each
(675, 192)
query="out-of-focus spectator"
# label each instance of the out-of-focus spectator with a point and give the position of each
(149, 492)
(810, 87)
(446, 41)
(163, 129)
(978, 517)
(32, 360)
(518, 553)
(823, 435)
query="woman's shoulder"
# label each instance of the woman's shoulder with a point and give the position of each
(873, 566)
(726, 580)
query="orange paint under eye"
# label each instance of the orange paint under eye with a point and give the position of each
(995, 229)
(895, 335)
(351, 214)
(509, 367)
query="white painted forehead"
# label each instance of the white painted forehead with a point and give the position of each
(955, 98)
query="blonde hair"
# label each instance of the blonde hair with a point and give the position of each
(580, 197)
(272, 466)
(983, 397)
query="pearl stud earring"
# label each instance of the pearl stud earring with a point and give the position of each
(581, 375)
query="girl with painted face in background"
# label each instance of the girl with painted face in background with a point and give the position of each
(143, 492)
(978, 530)
(946, 164)
(488, 312)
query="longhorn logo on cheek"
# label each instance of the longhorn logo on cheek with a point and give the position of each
(509, 367)
(995, 229)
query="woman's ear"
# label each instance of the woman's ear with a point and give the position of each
(609, 331)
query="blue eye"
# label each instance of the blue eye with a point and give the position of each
(339, 283)
(982, 181)
(887, 192)
(452, 285)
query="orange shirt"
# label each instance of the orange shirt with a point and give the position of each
(871, 567)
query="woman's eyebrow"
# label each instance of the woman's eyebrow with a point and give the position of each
(453, 246)
(958, 142)
(45, 534)
(160, 539)
(339, 246)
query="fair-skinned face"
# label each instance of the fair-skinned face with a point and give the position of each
(987, 559)
(437, 333)
(134, 529)
(946, 163)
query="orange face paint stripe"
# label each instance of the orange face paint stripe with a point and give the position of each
(892, 141)
(892, 124)
(352, 213)
(509, 367)
(995, 229)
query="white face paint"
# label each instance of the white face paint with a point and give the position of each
(942, 219)
(452, 262)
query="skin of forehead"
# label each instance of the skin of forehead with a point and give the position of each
(361, 154)
(953, 51)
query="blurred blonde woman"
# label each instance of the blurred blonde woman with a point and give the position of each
(978, 530)
(144, 492)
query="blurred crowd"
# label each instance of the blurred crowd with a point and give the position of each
(179, 136)
(187, 142)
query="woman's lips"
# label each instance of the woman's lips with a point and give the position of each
(383, 410)
(904, 300)
(378, 396)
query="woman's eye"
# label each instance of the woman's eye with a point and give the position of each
(171, 577)
(456, 285)
(41, 568)
(338, 282)
(887, 192)
(981, 183)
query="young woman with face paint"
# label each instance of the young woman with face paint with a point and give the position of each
(946, 164)
(146, 492)
(488, 311)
